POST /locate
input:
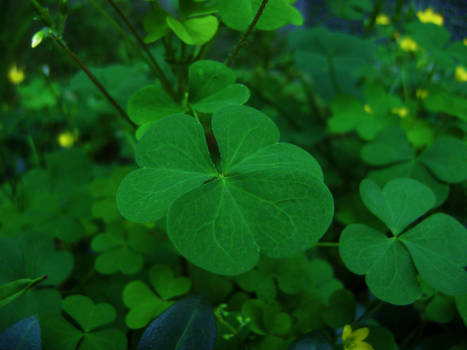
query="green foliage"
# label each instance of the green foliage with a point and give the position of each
(170, 172)
(173, 154)
(434, 247)
(59, 333)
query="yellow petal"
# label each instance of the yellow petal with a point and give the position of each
(360, 334)
(347, 332)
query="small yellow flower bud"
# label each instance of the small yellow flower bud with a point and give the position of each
(421, 94)
(461, 74)
(429, 16)
(368, 109)
(66, 139)
(408, 44)
(383, 19)
(16, 75)
(401, 112)
(38, 37)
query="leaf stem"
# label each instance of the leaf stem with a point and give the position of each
(93, 78)
(157, 69)
(35, 155)
(119, 28)
(327, 244)
(374, 306)
(247, 33)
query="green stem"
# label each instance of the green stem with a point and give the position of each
(91, 76)
(311, 97)
(157, 69)
(378, 6)
(35, 155)
(247, 33)
(119, 28)
(327, 244)
(374, 306)
(332, 74)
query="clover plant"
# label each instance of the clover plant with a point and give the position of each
(233, 174)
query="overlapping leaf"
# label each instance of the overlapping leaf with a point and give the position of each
(268, 196)
(239, 14)
(211, 87)
(88, 334)
(445, 159)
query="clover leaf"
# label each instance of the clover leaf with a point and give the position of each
(122, 249)
(87, 334)
(390, 148)
(239, 14)
(166, 284)
(211, 87)
(143, 303)
(268, 196)
(400, 202)
(435, 248)
(194, 25)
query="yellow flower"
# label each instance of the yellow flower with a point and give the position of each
(461, 74)
(408, 44)
(368, 109)
(401, 112)
(353, 340)
(421, 94)
(15, 75)
(383, 19)
(429, 16)
(66, 139)
(464, 41)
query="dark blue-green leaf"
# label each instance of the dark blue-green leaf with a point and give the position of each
(187, 325)
(23, 335)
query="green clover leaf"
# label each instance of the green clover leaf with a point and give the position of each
(122, 249)
(166, 284)
(269, 197)
(390, 148)
(211, 87)
(88, 334)
(277, 13)
(143, 303)
(401, 202)
(435, 248)
(193, 26)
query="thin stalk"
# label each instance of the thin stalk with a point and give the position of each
(378, 6)
(119, 28)
(157, 69)
(374, 306)
(311, 97)
(332, 74)
(247, 33)
(93, 78)
(35, 155)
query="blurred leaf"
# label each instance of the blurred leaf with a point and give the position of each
(447, 159)
(441, 309)
(239, 14)
(143, 303)
(187, 325)
(194, 31)
(341, 310)
(315, 340)
(166, 284)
